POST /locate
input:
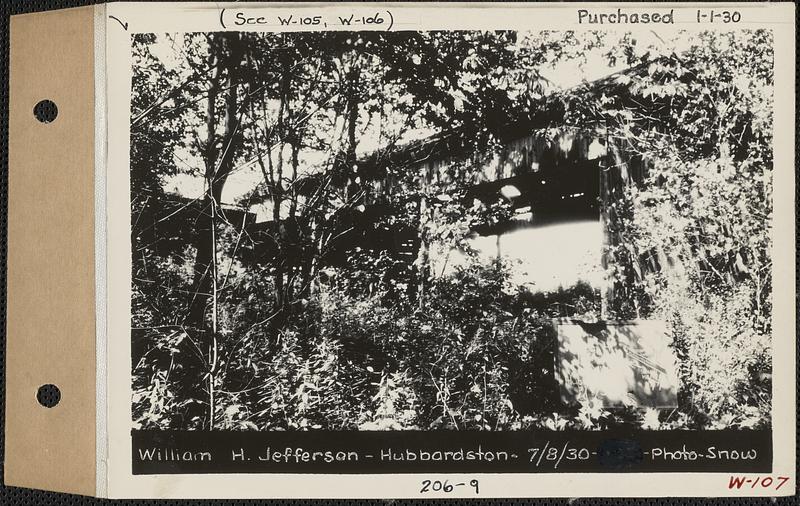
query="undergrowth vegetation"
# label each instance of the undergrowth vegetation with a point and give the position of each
(286, 322)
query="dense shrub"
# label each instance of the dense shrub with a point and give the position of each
(315, 335)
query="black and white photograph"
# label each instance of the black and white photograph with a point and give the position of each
(451, 230)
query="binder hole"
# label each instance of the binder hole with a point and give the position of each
(48, 395)
(45, 111)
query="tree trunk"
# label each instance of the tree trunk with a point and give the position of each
(224, 59)
(423, 255)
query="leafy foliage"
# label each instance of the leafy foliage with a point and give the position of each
(692, 239)
(301, 323)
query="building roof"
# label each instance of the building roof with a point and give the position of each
(549, 114)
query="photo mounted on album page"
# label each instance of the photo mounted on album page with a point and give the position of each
(448, 250)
